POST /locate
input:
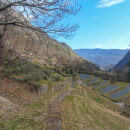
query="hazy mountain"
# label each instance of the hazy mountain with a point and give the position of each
(102, 57)
(123, 61)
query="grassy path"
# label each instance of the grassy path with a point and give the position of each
(52, 117)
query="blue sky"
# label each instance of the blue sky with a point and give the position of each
(103, 24)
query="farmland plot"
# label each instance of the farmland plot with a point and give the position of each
(93, 81)
(101, 84)
(120, 93)
(109, 88)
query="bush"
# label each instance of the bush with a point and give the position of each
(56, 77)
(67, 70)
(26, 70)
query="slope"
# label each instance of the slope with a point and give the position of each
(91, 111)
(39, 48)
(68, 107)
(122, 63)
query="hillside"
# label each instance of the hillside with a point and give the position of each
(122, 63)
(44, 85)
(69, 104)
(102, 57)
(40, 49)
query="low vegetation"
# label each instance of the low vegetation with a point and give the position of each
(24, 71)
(91, 112)
(85, 108)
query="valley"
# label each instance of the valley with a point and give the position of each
(104, 58)
(47, 85)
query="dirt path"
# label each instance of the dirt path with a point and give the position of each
(53, 112)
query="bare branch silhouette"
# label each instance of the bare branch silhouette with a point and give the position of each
(46, 16)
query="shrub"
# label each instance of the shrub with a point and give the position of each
(57, 78)
(26, 70)
(67, 70)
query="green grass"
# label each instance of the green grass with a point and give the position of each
(97, 99)
(27, 118)
(21, 123)
(94, 110)
(83, 108)
(71, 99)
(107, 119)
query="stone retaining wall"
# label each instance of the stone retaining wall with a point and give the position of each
(42, 89)
(62, 86)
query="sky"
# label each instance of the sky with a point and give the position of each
(103, 24)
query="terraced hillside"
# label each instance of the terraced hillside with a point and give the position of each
(118, 92)
(67, 104)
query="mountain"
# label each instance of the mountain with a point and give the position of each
(39, 48)
(122, 63)
(102, 57)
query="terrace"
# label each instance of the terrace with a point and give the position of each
(109, 88)
(120, 93)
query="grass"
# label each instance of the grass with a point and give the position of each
(71, 99)
(27, 118)
(92, 112)
(97, 99)
(73, 121)
(84, 109)
(21, 122)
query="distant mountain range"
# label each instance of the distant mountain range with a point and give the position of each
(122, 63)
(102, 57)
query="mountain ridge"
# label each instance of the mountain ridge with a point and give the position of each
(102, 57)
(122, 63)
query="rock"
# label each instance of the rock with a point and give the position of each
(59, 87)
(42, 89)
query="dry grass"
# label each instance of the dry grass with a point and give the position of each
(7, 108)
(15, 91)
(32, 109)
(86, 109)
(92, 112)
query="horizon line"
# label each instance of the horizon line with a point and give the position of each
(102, 48)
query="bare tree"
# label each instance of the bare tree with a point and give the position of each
(47, 16)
